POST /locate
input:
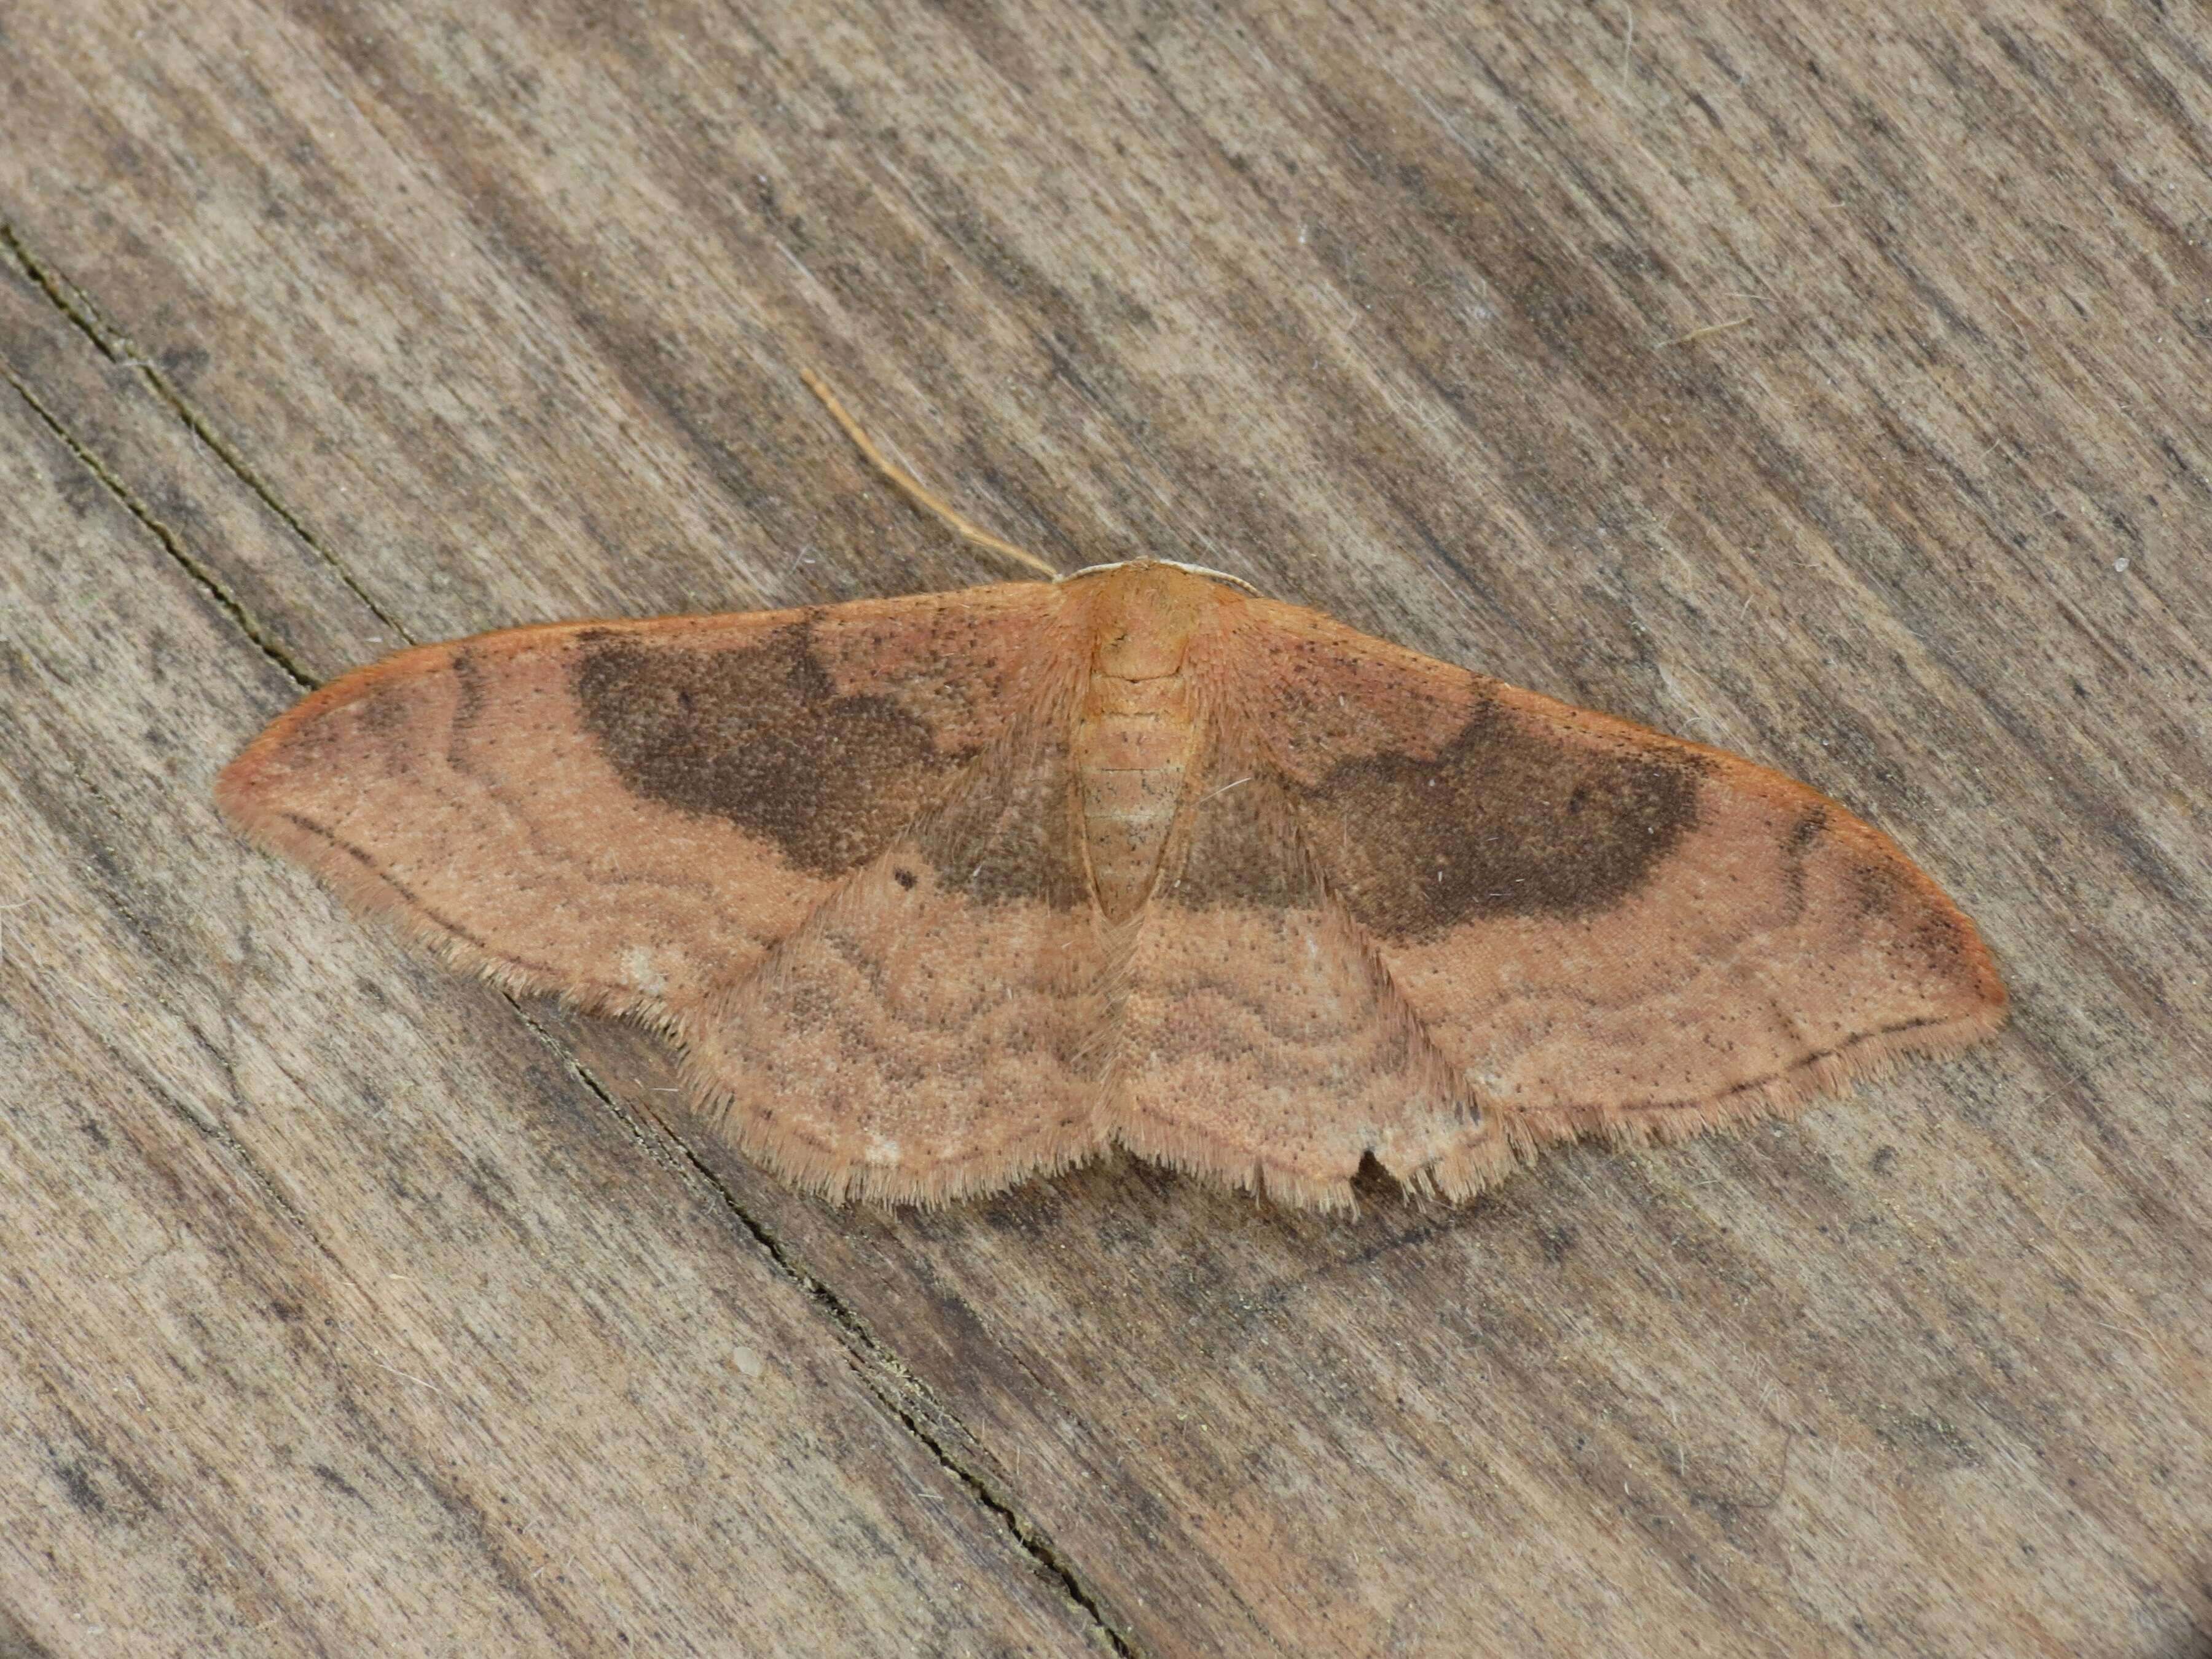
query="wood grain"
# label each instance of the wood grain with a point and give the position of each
(350, 1307)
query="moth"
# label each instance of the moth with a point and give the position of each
(940, 893)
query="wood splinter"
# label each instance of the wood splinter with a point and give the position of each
(944, 892)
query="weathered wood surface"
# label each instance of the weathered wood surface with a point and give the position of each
(351, 1308)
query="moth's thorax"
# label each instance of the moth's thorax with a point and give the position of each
(1137, 733)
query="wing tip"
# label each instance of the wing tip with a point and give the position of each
(1519, 1137)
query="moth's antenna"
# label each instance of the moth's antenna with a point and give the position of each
(911, 487)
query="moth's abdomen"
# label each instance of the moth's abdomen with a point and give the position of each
(1132, 747)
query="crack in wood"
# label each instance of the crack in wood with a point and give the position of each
(872, 1360)
(171, 542)
(120, 350)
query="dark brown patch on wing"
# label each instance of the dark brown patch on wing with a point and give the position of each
(469, 683)
(760, 737)
(1947, 944)
(1242, 853)
(1929, 932)
(1503, 821)
(1012, 835)
(1796, 847)
(381, 713)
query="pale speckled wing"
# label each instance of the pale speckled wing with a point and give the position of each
(1603, 929)
(1260, 1043)
(631, 814)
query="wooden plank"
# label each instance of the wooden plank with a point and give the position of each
(1832, 387)
(309, 1347)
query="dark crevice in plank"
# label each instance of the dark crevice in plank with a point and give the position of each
(172, 543)
(904, 1397)
(118, 348)
(1030, 1539)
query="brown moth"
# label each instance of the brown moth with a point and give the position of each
(942, 892)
